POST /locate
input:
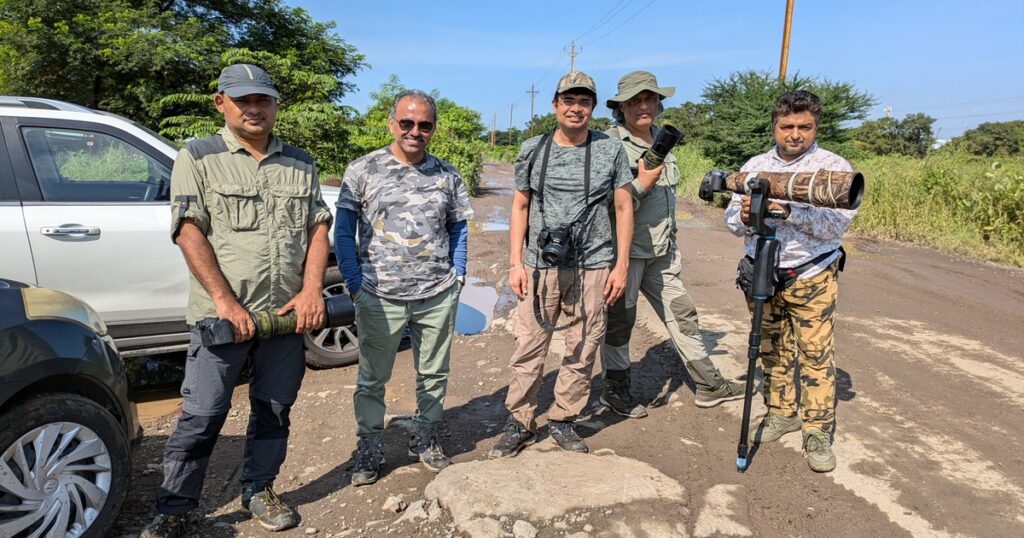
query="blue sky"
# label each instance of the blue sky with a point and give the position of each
(959, 62)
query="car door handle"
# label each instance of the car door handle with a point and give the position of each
(70, 229)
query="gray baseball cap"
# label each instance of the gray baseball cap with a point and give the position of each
(239, 80)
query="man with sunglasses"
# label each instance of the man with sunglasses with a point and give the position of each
(409, 210)
(565, 183)
(247, 213)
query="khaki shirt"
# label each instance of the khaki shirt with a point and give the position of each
(654, 211)
(257, 216)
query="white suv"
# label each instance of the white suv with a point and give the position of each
(84, 209)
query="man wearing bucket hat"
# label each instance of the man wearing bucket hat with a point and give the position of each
(655, 262)
(565, 183)
(247, 213)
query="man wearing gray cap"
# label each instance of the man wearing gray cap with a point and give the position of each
(655, 262)
(247, 213)
(573, 265)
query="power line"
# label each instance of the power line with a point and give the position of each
(608, 15)
(623, 23)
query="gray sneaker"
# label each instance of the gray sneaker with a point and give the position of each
(818, 451)
(564, 434)
(426, 449)
(165, 526)
(773, 427)
(726, 392)
(267, 508)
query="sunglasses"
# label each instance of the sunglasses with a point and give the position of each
(407, 125)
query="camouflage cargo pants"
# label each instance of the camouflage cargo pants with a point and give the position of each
(799, 326)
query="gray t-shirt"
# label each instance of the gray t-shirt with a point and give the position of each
(403, 212)
(564, 197)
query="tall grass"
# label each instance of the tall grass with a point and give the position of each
(950, 201)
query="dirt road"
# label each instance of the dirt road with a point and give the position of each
(929, 350)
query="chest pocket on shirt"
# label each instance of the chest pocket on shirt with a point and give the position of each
(291, 205)
(238, 205)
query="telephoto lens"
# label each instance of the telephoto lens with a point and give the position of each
(667, 139)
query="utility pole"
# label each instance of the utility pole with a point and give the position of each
(494, 129)
(533, 92)
(572, 56)
(511, 107)
(785, 41)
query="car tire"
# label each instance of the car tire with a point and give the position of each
(335, 346)
(86, 464)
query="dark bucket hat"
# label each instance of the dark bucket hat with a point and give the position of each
(239, 80)
(633, 83)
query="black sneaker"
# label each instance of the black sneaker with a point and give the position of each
(165, 526)
(369, 458)
(616, 396)
(564, 433)
(266, 507)
(514, 438)
(426, 449)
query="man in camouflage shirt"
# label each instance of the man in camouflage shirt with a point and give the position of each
(409, 211)
(799, 320)
(247, 213)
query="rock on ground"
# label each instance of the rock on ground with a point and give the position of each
(725, 512)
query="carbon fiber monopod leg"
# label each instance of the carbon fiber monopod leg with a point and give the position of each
(761, 289)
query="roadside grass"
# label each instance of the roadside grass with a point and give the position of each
(500, 154)
(949, 201)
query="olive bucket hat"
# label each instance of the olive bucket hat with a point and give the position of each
(633, 83)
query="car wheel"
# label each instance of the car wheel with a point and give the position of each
(64, 468)
(333, 346)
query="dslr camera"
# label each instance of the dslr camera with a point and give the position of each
(555, 244)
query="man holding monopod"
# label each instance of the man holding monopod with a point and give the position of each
(798, 319)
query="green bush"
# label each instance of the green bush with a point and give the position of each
(692, 166)
(955, 202)
(500, 154)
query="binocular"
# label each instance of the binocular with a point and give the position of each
(824, 188)
(338, 311)
(667, 139)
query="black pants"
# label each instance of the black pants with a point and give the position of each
(210, 377)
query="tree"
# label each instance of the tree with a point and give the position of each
(911, 136)
(739, 113)
(690, 118)
(988, 139)
(125, 56)
(548, 123)
(456, 139)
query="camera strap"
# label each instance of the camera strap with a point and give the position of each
(548, 140)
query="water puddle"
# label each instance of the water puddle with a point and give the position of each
(478, 227)
(476, 307)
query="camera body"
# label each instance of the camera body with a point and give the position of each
(555, 244)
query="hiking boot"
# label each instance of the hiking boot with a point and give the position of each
(369, 458)
(616, 395)
(165, 526)
(725, 392)
(773, 426)
(267, 508)
(426, 449)
(513, 439)
(818, 450)
(564, 433)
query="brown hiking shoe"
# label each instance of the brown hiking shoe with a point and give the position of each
(726, 392)
(773, 427)
(818, 450)
(166, 526)
(267, 508)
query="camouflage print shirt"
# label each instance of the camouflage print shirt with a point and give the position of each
(809, 230)
(403, 213)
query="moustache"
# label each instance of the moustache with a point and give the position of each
(417, 138)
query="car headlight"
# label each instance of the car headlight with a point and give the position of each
(43, 303)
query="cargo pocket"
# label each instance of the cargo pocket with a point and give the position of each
(190, 385)
(238, 203)
(292, 205)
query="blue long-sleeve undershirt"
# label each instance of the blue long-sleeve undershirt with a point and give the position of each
(348, 261)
